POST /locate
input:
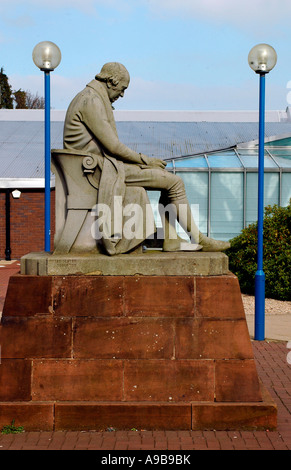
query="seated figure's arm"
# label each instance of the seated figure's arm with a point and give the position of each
(94, 117)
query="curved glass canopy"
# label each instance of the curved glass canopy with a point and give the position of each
(235, 159)
(222, 186)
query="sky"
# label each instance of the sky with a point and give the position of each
(180, 54)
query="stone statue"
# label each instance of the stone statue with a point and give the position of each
(95, 168)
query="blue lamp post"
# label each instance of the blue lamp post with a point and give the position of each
(46, 55)
(262, 58)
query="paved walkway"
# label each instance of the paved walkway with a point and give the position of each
(7, 269)
(274, 369)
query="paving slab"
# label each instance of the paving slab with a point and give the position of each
(277, 327)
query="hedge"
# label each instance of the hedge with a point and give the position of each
(277, 254)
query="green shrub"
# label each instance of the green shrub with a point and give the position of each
(12, 429)
(277, 254)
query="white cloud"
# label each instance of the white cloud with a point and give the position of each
(244, 13)
(22, 21)
(63, 89)
(86, 6)
(149, 95)
(162, 95)
(33, 83)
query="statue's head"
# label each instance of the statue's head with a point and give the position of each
(116, 78)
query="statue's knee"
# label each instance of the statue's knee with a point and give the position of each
(179, 183)
(178, 187)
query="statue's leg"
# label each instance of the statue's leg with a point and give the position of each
(173, 190)
(177, 197)
(169, 214)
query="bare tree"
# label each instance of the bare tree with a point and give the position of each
(34, 101)
(27, 100)
(23, 99)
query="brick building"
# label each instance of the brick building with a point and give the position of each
(26, 222)
(215, 153)
(22, 169)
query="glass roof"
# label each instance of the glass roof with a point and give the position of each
(224, 160)
(235, 158)
(191, 162)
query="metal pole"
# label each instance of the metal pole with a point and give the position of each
(7, 204)
(47, 156)
(260, 275)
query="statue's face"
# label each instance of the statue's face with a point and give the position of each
(117, 91)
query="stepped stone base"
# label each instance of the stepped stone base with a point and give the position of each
(150, 263)
(90, 415)
(155, 352)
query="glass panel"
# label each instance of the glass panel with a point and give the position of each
(251, 198)
(271, 194)
(269, 162)
(282, 161)
(248, 152)
(194, 162)
(226, 200)
(271, 189)
(224, 160)
(249, 161)
(154, 197)
(252, 161)
(280, 142)
(281, 156)
(286, 189)
(280, 152)
(226, 205)
(196, 185)
(249, 157)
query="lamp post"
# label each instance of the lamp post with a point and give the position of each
(262, 59)
(46, 55)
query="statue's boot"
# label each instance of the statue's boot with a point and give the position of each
(172, 241)
(181, 210)
(179, 244)
(209, 244)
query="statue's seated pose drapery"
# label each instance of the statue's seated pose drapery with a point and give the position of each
(79, 177)
(96, 171)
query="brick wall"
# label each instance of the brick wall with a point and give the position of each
(26, 222)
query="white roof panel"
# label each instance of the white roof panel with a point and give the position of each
(22, 136)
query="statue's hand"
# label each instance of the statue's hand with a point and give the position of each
(157, 162)
(153, 162)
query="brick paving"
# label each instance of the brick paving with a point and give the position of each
(7, 269)
(273, 369)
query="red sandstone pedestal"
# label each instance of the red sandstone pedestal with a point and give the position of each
(82, 352)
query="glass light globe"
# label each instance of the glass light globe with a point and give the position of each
(46, 55)
(262, 58)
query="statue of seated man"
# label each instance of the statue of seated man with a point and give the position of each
(90, 127)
